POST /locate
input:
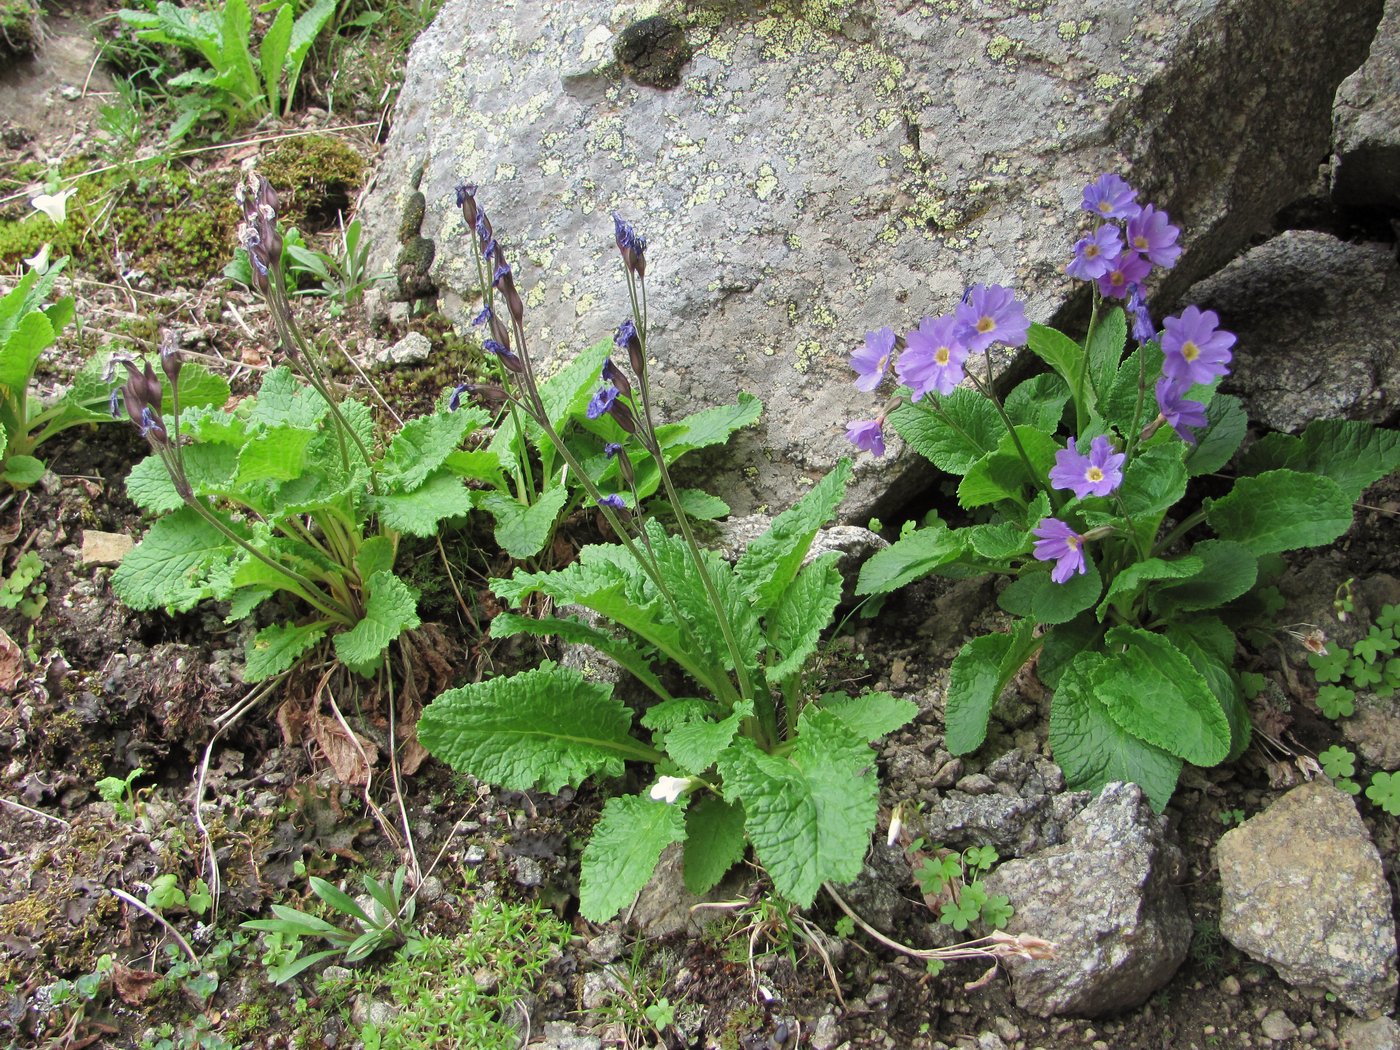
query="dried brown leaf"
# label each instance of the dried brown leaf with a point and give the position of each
(351, 757)
(133, 985)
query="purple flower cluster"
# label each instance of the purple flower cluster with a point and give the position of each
(932, 356)
(1118, 258)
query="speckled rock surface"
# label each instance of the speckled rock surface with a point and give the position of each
(1305, 297)
(1366, 124)
(1302, 889)
(1108, 897)
(823, 168)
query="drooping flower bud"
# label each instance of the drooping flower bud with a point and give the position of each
(506, 355)
(626, 338)
(614, 375)
(631, 245)
(171, 359)
(466, 200)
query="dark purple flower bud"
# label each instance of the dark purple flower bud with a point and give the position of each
(612, 374)
(602, 401)
(499, 331)
(627, 338)
(501, 274)
(615, 501)
(116, 402)
(466, 200)
(489, 249)
(455, 401)
(151, 427)
(623, 415)
(171, 360)
(611, 449)
(505, 353)
(482, 318)
(631, 245)
(483, 228)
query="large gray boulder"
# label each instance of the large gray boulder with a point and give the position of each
(1108, 897)
(1302, 889)
(1366, 124)
(1318, 321)
(806, 172)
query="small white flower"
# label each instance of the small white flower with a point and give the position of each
(896, 827)
(668, 789)
(39, 261)
(54, 205)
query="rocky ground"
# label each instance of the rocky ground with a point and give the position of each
(1172, 931)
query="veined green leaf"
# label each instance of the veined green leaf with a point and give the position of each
(390, 609)
(710, 426)
(870, 715)
(282, 401)
(979, 673)
(1134, 579)
(523, 531)
(171, 567)
(1057, 350)
(1353, 454)
(1038, 402)
(1093, 749)
(714, 842)
(1281, 510)
(271, 53)
(805, 609)
(419, 512)
(694, 745)
(1154, 481)
(809, 816)
(1035, 595)
(1003, 474)
(910, 558)
(1216, 443)
(423, 445)
(627, 655)
(953, 432)
(537, 730)
(623, 850)
(771, 561)
(276, 648)
(278, 454)
(1228, 570)
(1210, 646)
(1105, 351)
(1150, 689)
(1120, 406)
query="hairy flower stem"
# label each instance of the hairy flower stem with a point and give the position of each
(763, 704)
(1083, 373)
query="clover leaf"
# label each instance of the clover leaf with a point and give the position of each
(1337, 762)
(1364, 674)
(1329, 666)
(1336, 701)
(1385, 792)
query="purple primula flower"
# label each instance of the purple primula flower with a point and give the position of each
(615, 501)
(1196, 351)
(933, 357)
(1151, 233)
(867, 435)
(990, 313)
(872, 359)
(1094, 254)
(1109, 197)
(1057, 542)
(1097, 474)
(602, 401)
(1128, 269)
(1143, 329)
(1177, 410)
(626, 332)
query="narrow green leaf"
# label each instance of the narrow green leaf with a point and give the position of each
(1105, 351)
(714, 842)
(1217, 442)
(952, 432)
(628, 656)
(271, 53)
(1210, 646)
(910, 558)
(1281, 510)
(1134, 579)
(537, 730)
(1057, 350)
(803, 612)
(1093, 749)
(809, 816)
(622, 852)
(979, 673)
(390, 609)
(276, 648)
(771, 561)
(1150, 689)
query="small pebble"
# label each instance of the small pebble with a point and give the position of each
(474, 855)
(1278, 1028)
(1230, 985)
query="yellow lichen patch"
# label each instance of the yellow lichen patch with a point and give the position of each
(999, 47)
(822, 316)
(767, 182)
(1070, 30)
(807, 351)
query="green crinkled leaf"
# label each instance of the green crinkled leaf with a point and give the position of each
(1034, 594)
(199, 388)
(1063, 642)
(276, 648)
(1150, 689)
(1038, 402)
(979, 673)
(278, 454)
(390, 609)
(694, 745)
(419, 512)
(1105, 351)
(476, 465)
(1154, 481)
(21, 350)
(1281, 510)
(523, 531)
(810, 815)
(622, 852)
(970, 430)
(1210, 646)
(999, 541)
(1134, 579)
(283, 401)
(670, 713)
(537, 730)
(910, 558)
(1218, 440)
(1003, 475)
(172, 565)
(870, 715)
(243, 601)
(1145, 364)
(1093, 749)
(23, 471)
(424, 444)
(1228, 570)
(710, 426)
(714, 842)
(1353, 454)
(1057, 350)
(771, 561)
(700, 505)
(376, 554)
(805, 609)
(627, 655)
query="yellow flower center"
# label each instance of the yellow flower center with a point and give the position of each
(1190, 350)
(1116, 278)
(1093, 474)
(1140, 243)
(1105, 207)
(942, 355)
(1072, 542)
(985, 325)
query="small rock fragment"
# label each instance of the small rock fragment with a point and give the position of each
(105, 548)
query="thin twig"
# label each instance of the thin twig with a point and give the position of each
(383, 821)
(36, 812)
(394, 769)
(398, 419)
(198, 963)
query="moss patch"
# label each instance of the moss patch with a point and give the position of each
(316, 177)
(19, 27)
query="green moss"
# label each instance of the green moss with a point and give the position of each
(19, 27)
(315, 176)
